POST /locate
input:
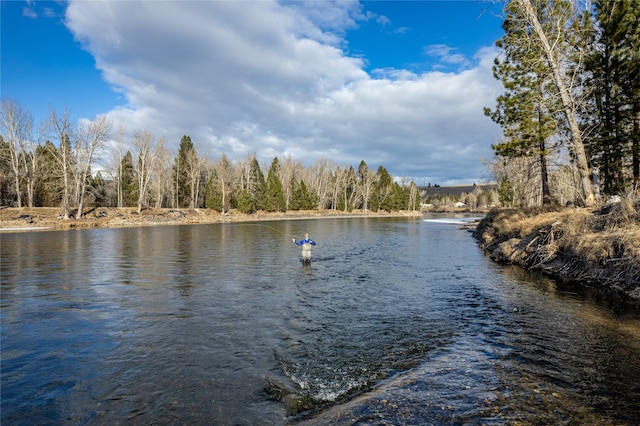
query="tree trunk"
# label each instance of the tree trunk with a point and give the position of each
(635, 151)
(577, 145)
(546, 193)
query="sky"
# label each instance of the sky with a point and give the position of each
(400, 84)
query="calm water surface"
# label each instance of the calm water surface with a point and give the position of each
(396, 321)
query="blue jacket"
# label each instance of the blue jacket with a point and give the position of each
(305, 241)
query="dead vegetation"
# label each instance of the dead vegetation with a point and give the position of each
(600, 247)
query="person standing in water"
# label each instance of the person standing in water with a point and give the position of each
(306, 244)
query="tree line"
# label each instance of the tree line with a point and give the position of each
(89, 164)
(570, 71)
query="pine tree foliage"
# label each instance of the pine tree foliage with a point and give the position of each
(220, 187)
(256, 184)
(570, 73)
(301, 198)
(505, 193)
(181, 167)
(246, 203)
(6, 195)
(214, 193)
(612, 118)
(528, 110)
(128, 180)
(48, 186)
(273, 200)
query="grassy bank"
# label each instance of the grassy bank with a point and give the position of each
(599, 248)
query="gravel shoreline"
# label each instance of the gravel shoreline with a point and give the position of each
(14, 219)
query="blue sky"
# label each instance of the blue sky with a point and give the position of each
(394, 83)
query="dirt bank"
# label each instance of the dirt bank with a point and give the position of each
(20, 219)
(599, 248)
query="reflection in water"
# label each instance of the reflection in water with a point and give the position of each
(395, 319)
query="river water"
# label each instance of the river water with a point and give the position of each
(395, 321)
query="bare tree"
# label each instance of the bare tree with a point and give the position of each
(162, 178)
(63, 132)
(366, 184)
(414, 194)
(194, 168)
(318, 180)
(16, 125)
(343, 191)
(226, 177)
(147, 152)
(243, 172)
(117, 152)
(555, 57)
(91, 136)
(564, 182)
(287, 173)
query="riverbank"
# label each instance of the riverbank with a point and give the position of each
(599, 248)
(39, 218)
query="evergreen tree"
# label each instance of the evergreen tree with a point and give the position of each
(99, 190)
(394, 199)
(613, 117)
(6, 198)
(256, 186)
(48, 188)
(246, 203)
(128, 179)
(182, 190)
(294, 201)
(273, 200)
(527, 110)
(365, 185)
(301, 199)
(214, 194)
(385, 196)
(505, 193)
(401, 197)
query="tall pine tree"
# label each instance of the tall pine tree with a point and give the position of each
(129, 182)
(182, 191)
(273, 200)
(613, 117)
(256, 184)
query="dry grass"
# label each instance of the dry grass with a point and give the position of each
(601, 246)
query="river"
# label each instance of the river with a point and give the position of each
(395, 321)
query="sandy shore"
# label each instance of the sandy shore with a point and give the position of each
(43, 218)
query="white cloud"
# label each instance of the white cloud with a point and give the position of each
(270, 78)
(383, 21)
(446, 55)
(29, 13)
